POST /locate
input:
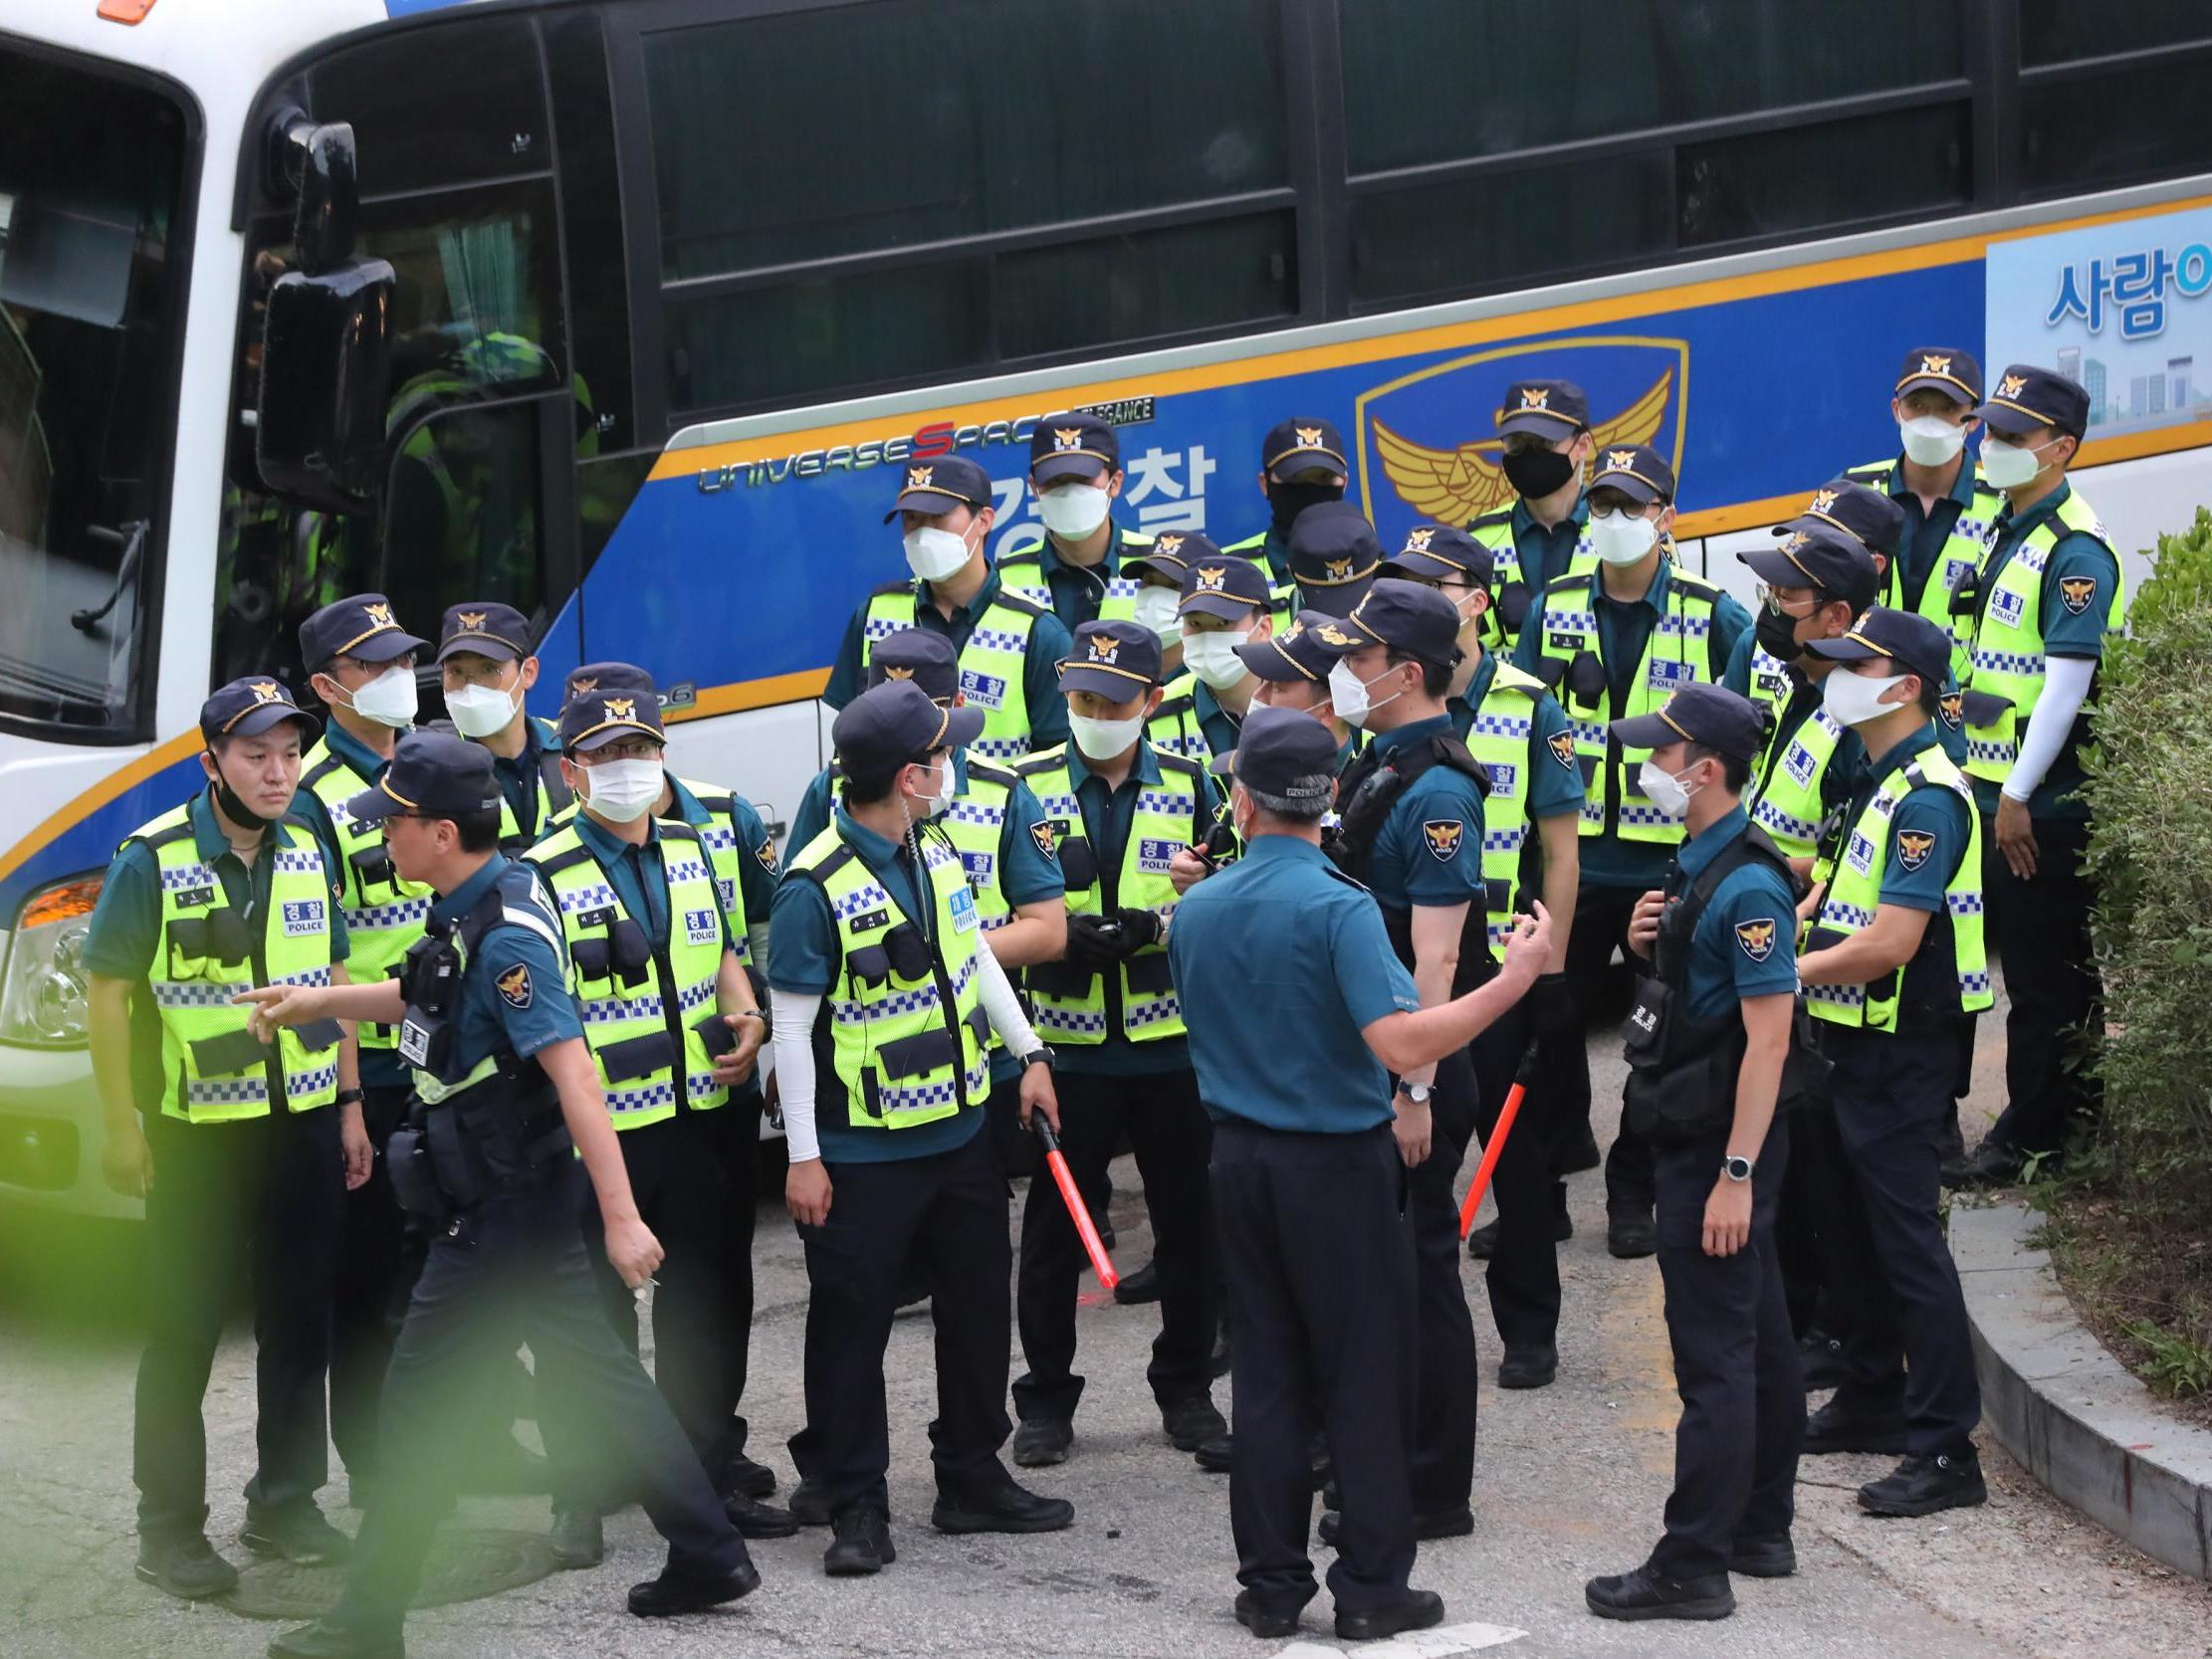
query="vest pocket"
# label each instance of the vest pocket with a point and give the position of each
(228, 1055)
(638, 1056)
(1149, 975)
(1063, 979)
(317, 1035)
(715, 1035)
(916, 1056)
(633, 956)
(591, 957)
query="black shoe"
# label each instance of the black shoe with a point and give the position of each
(1581, 1155)
(1041, 1442)
(1772, 1557)
(1647, 1595)
(295, 1532)
(1006, 1509)
(754, 1519)
(579, 1540)
(1215, 1455)
(1455, 1522)
(862, 1545)
(1190, 1424)
(1924, 1484)
(743, 1475)
(1260, 1622)
(1140, 1286)
(1630, 1234)
(324, 1640)
(1419, 1610)
(810, 1503)
(1482, 1242)
(187, 1567)
(1821, 1358)
(1992, 1163)
(675, 1593)
(1531, 1365)
(1837, 1427)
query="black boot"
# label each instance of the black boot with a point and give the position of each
(1645, 1594)
(1924, 1484)
(862, 1545)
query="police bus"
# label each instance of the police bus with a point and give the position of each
(629, 314)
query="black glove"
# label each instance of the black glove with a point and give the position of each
(1551, 1009)
(1138, 929)
(1092, 942)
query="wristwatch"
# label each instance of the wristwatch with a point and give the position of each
(350, 1097)
(1736, 1169)
(1040, 1055)
(1418, 1093)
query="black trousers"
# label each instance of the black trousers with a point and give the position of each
(2039, 929)
(739, 1139)
(949, 1209)
(514, 1270)
(1735, 1362)
(1523, 1272)
(1443, 1453)
(1170, 1136)
(376, 1271)
(260, 1198)
(1602, 991)
(1314, 1246)
(1905, 1330)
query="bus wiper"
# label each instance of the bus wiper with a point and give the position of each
(131, 537)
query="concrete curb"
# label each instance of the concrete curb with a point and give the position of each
(2078, 1418)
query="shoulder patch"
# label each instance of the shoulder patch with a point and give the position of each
(1562, 746)
(1019, 603)
(1914, 846)
(1175, 764)
(888, 588)
(1951, 709)
(1443, 836)
(513, 986)
(765, 854)
(1756, 937)
(2076, 592)
(1041, 833)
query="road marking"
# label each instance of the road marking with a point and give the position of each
(1442, 1642)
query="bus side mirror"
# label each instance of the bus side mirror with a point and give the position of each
(326, 364)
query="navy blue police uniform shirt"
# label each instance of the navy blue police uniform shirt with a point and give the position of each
(1281, 962)
(1745, 945)
(1554, 784)
(514, 993)
(1428, 851)
(1077, 590)
(517, 779)
(1927, 532)
(805, 958)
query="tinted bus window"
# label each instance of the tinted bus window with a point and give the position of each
(1833, 174)
(2091, 132)
(434, 106)
(2059, 31)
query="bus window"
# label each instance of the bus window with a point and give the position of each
(461, 513)
(1816, 178)
(2060, 31)
(2091, 116)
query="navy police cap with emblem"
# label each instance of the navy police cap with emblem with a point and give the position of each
(934, 487)
(1818, 556)
(487, 628)
(1941, 368)
(1303, 444)
(1278, 751)
(621, 705)
(1442, 554)
(1405, 616)
(1231, 588)
(1867, 516)
(1072, 446)
(1551, 409)
(915, 654)
(2025, 397)
(433, 775)
(1170, 556)
(1303, 651)
(896, 723)
(608, 677)
(1918, 645)
(1116, 660)
(1636, 471)
(1334, 549)
(247, 708)
(361, 627)
(1711, 717)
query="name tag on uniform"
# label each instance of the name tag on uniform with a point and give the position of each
(1860, 856)
(1565, 642)
(193, 898)
(302, 916)
(702, 927)
(1775, 684)
(1799, 763)
(2006, 606)
(979, 866)
(1504, 776)
(871, 920)
(726, 891)
(1665, 672)
(964, 911)
(1154, 857)
(987, 691)
(604, 917)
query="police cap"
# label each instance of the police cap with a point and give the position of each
(1914, 643)
(897, 722)
(1299, 445)
(1278, 751)
(1299, 652)
(1072, 446)
(1442, 554)
(1941, 368)
(1116, 660)
(608, 677)
(1869, 516)
(1818, 556)
(1711, 717)
(1170, 556)
(2028, 397)
(433, 775)
(485, 627)
(1638, 472)
(249, 706)
(361, 627)
(1227, 586)
(1334, 548)
(1552, 409)
(592, 720)
(916, 654)
(934, 487)
(1406, 617)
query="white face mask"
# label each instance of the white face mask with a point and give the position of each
(940, 798)
(1348, 694)
(1853, 698)
(2009, 466)
(1931, 440)
(933, 553)
(481, 711)
(1103, 739)
(1156, 609)
(1621, 537)
(624, 790)
(389, 698)
(1212, 658)
(1663, 789)
(1072, 511)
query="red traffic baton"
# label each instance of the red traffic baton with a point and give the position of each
(1488, 1166)
(1078, 1211)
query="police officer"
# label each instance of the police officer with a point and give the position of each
(1333, 554)
(1531, 841)
(885, 998)
(1223, 603)
(1298, 1002)
(242, 1149)
(1301, 465)
(1077, 570)
(1413, 832)
(1158, 572)
(673, 1026)
(1892, 967)
(1544, 431)
(485, 657)
(1706, 1048)
(509, 1127)
(1614, 643)
(1008, 643)
(2050, 593)
(1119, 810)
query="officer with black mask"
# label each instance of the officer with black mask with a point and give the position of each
(1301, 465)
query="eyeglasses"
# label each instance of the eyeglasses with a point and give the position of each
(1770, 598)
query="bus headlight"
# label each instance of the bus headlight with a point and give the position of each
(43, 1002)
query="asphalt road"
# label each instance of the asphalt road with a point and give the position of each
(1570, 1483)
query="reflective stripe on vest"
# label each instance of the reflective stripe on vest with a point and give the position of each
(976, 824)
(718, 836)
(1965, 551)
(383, 916)
(2006, 660)
(614, 1012)
(1498, 736)
(193, 991)
(990, 663)
(1785, 798)
(1855, 893)
(1494, 530)
(885, 1032)
(1174, 727)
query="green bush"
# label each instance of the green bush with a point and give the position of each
(2151, 850)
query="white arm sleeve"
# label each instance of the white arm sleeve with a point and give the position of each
(2065, 683)
(756, 941)
(1003, 1007)
(794, 1013)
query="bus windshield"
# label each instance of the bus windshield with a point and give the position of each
(91, 170)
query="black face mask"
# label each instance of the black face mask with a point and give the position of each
(235, 809)
(1778, 634)
(1536, 473)
(1287, 501)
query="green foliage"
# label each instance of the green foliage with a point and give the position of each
(2172, 1362)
